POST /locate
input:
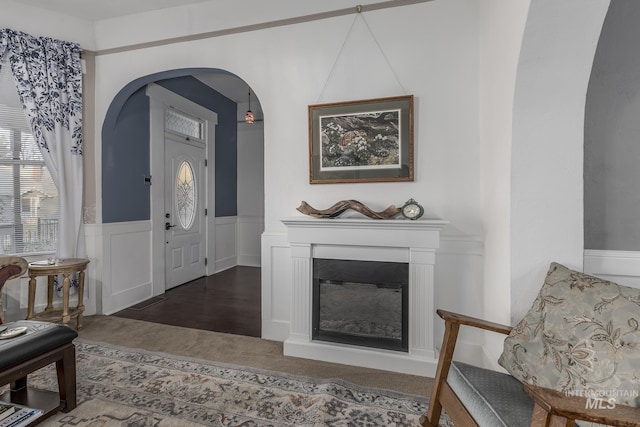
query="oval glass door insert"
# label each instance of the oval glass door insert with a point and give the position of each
(185, 195)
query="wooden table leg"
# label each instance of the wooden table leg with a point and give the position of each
(65, 298)
(32, 297)
(50, 280)
(80, 299)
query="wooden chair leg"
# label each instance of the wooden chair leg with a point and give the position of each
(541, 418)
(432, 418)
(66, 369)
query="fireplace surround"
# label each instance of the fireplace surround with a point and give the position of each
(388, 241)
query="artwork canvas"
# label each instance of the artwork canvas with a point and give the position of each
(361, 141)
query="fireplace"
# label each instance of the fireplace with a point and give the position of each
(410, 244)
(362, 303)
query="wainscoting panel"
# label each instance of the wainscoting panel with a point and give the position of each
(127, 261)
(249, 229)
(276, 286)
(459, 288)
(226, 243)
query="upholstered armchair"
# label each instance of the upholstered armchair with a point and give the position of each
(573, 358)
(10, 267)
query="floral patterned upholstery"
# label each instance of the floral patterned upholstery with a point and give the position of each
(10, 267)
(581, 336)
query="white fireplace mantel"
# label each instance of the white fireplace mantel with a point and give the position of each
(393, 240)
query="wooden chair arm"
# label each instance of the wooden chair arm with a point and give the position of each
(553, 406)
(452, 323)
(462, 319)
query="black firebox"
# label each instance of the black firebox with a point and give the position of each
(363, 303)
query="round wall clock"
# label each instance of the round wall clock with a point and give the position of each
(412, 209)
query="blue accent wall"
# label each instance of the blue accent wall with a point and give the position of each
(125, 163)
(126, 139)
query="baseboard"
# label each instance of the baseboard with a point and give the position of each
(127, 298)
(275, 330)
(226, 263)
(249, 260)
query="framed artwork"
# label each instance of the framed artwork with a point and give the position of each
(361, 141)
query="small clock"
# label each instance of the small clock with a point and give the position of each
(412, 209)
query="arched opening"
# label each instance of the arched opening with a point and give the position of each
(132, 156)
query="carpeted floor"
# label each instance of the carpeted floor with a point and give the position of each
(119, 386)
(239, 350)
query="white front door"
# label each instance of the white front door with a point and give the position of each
(185, 204)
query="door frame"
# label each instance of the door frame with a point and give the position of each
(159, 99)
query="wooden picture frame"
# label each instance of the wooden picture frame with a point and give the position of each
(361, 141)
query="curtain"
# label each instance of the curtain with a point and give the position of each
(48, 76)
(3, 43)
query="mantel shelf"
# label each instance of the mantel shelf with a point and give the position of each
(377, 224)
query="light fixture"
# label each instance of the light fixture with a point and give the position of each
(248, 117)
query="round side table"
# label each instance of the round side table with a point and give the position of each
(65, 267)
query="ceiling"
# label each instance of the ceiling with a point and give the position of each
(232, 87)
(96, 10)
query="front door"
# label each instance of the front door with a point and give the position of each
(185, 204)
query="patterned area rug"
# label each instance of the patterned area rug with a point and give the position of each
(119, 386)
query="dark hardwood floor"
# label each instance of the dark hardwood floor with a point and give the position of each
(224, 302)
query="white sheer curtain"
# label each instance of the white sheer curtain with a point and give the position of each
(48, 76)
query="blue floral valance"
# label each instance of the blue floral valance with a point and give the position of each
(48, 75)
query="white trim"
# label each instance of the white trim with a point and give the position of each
(612, 263)
(159, 99)
(463, 245)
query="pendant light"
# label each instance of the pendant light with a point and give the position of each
(248, 117)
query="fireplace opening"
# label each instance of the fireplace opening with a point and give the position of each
(362, 303)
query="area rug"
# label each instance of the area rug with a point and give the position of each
(120, 386)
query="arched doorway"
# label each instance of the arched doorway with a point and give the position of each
(131, 186)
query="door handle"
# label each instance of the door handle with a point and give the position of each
(168, 226)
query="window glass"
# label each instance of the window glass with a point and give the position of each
(181, 123)
(185, 195)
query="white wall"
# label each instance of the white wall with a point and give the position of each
(250, 189)
(291, 67)
(35, 21)
(547, 205)
(501, 30)
(458, 58)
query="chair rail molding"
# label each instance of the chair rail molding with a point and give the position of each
(622, 267)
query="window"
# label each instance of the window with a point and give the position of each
(29, 208)
(182, 124)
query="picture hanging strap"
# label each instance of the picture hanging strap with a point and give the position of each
(360, 15)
